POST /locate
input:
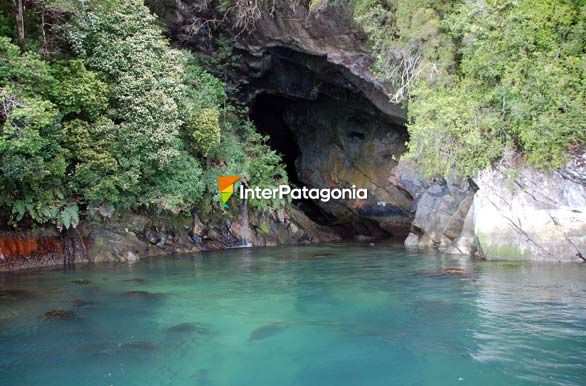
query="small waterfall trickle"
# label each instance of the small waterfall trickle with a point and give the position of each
(246, 243)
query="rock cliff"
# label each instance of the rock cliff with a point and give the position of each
(516, 212)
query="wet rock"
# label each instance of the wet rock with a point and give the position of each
(465, 244)
(196, 239)
(440, 214)
(364, 238)
(306, 256)
(111, 243)
(321, 255)
(356, 146)
(267, 331)
(81, 281)
(59, 314)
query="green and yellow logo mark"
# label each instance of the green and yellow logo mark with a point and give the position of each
(226, 184)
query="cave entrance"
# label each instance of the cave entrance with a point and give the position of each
(267, 112)
(333, 129)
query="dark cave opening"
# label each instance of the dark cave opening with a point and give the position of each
(267, 112)
(331, 131)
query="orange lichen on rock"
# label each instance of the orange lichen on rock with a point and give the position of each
(12, 247)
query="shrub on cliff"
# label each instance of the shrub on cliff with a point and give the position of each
(482, 77)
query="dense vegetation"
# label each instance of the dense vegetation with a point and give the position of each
(482, 78)
(99, 113)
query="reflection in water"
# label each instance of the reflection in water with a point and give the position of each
(329, 315)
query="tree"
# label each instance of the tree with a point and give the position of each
(19, 6)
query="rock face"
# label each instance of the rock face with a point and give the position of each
(329, 34)
(29, 247)
(354, 146)
(131, 237)
(441, 210)
(531, 214)
(517, 212)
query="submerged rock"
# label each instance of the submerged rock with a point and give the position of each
(453, 271)
(82, 303)
(139, 345)
(188, 328)
(141, 295)
(99, 348)
(81, 281)
(59, 314)
(321, 255)
(110, 348)
(267, 331)
(136, 280)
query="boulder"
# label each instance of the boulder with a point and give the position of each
(440, 213)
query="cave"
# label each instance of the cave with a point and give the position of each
(267, 112)
(331, 131)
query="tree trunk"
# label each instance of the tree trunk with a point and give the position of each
(20, 20)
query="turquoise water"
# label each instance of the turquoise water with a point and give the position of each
(328, 315)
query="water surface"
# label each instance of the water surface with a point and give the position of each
(327, 315)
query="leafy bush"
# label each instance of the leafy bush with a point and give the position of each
(483, 77)
(119, 122)
(205, 129)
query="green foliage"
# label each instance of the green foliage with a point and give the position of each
(409, 41)
(92, 148)
(520, 86)
(119, 122)
(451, 131)
(244, 152)
(25, 70)
(205, 130)
(223, 59)
(78, 91)
(483, 77)
(69, 217)
(32, 163)
(150, 88)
